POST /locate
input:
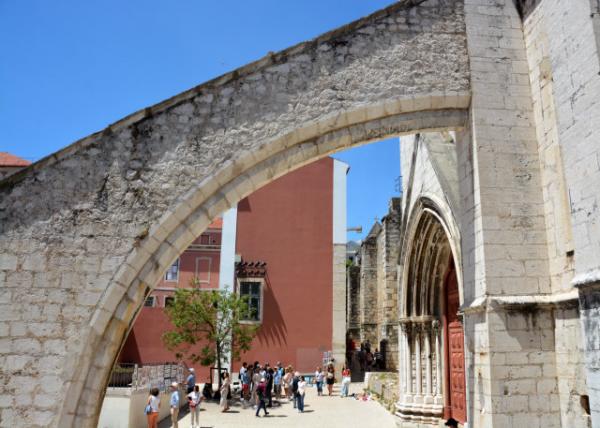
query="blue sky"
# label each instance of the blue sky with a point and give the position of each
(70, 68)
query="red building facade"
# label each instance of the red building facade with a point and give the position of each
(277, 247)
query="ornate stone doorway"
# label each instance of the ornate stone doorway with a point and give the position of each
(432, 339)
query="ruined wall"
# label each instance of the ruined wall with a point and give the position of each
(87, 231)
(368, 287)
(388, 248)
(353, 302)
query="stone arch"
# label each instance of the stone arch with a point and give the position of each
(430, 253)
(108, 214)
(429, 208)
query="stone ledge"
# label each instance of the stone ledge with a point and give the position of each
(492, 303)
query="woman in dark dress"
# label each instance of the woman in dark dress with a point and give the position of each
(330, 378)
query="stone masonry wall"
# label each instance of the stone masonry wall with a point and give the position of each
(503, 229)
(569, 350)
(571, 31)
(368, 290)
(87, 231)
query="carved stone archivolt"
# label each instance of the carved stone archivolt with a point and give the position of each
(421, 330)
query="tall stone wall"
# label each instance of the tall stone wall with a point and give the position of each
(388, 248)
(569, 351)
(563, 55)
(368, 287)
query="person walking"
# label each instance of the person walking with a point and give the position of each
(255, 382)
(261, 394)
(295, 382)
(330, 379)
(287, 382)
(190, 381)
(154, 403)
(225, 392)
(319, 381)
(194, 399)
(277, 380)
(301, 393)
(270, 377)
(245, 380)
(174, 404)
(345, 381)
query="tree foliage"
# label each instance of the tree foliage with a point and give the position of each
(211, 319)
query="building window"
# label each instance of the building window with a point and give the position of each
(252, 290)
(173, 272)
(169, 301)
(149, 303)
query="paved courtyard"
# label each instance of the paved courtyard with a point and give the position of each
(327, 412)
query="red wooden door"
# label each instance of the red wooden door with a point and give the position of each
(456, 351)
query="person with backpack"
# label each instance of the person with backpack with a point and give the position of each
(153, 408)
(295, 381)
(261, 395)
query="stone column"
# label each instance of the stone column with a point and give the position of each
(407, 359)
(418, 369)
(428, 380)
(438, 358)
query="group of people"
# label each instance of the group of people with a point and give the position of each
(261, 386)
(152, 409)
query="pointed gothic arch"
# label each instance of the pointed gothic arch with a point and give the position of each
(431, 340)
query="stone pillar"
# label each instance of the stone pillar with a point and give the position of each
(418, 369)
(428, 380)
(500, 152)
(406, 330)
(438, 358)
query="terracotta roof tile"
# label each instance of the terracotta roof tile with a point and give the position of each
(7, 159)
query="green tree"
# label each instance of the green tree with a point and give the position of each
(212, 319)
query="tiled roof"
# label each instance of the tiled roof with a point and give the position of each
(216, 224)
(7, 159)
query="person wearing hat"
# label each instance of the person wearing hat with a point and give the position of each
(174, 404)
(451, 423)
(191, 380)
(261, 393)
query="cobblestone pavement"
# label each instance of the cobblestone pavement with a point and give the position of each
(326, 412)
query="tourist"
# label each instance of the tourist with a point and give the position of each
(245, 380)
(270, 375)
(277, 380)
(225, 391)
(191, 381)
(295, 381)
(301, 393)
(261, 394)
(194, 398)
(174, 404)
(287, 382)
(154, 403)
(255, 381)
(330, 378)
(345, 381)
(319, 381)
